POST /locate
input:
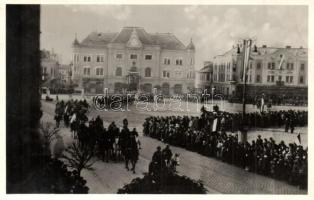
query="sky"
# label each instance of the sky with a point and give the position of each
(213, 28)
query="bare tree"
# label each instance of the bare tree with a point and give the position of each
(78, 157)
(49, 132)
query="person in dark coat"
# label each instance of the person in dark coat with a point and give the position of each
(167, 154)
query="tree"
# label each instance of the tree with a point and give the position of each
(48, 132)
(79, 157)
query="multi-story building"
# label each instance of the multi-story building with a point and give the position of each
(65, 73)
(133, 60)
(49, 65)
(271, 71)
(204, 76)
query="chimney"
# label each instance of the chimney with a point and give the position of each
(264, 46)
(288, 47)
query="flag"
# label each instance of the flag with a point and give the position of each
(281, 61)
(262, 104)
(247, 49)
(299, 138)
(214, 128)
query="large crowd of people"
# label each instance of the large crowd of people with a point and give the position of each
(208, 136)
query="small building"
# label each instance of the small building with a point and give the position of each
(65, 74)
(49, 65)
(203, 80)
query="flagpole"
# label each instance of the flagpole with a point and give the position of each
(243, 131)
(246, 55)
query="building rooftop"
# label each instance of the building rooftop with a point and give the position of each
(164, 40)
(264, 50)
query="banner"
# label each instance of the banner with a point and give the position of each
(247, 50)
(281, 61)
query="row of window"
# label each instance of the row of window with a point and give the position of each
(289, 79)
(99, 71)
(270, 66)
(148, 72)
(100, 58)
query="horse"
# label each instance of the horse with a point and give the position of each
(117, 151)
(131, 154)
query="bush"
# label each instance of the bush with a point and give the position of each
(54, 178)
(168, 183)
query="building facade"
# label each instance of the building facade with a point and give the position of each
(65, 73)
(133, 60)
(49, 65)
(204, 77)
(271, 70)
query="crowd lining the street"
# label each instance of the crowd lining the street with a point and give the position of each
(208, 136)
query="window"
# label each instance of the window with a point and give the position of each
(290, 66)
(148, 57)
(179, 61)
(268, 78)
(269, 65)
(165, 74)
(133, 56)
(147, 72)
(45, 70)
(87, 58)
(279, 78)
(119, 71)
(76, 58)
(86, 71)
(273, 65)
(119, 56)
(99, 71)
(178, 74)
(289, 79)
(166, 61)
(99, 58)
(302, 67)
(301, 79)
(272, 78)
(258, 65)
(258, 78)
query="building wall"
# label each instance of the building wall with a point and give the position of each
(49, 68)
(178, 74)
(263, 69)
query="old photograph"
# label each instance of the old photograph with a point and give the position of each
(157, 99)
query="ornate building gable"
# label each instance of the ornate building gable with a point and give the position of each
(134, 41)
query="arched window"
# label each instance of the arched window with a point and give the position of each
(165, 89)
(119, 71)
(177, 89)
(148, 72)
(147, 87)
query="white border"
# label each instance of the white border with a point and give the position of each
(165, 2)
